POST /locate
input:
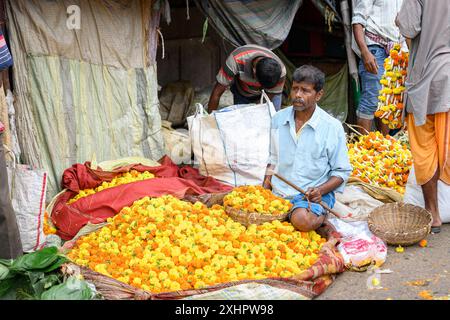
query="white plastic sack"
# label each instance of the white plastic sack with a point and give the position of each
(355, 204)
(414, 195)
(232, 145)
(359, 247)
(12, 124)
(28, 187)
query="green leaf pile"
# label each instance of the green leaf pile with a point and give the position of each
(35, 276)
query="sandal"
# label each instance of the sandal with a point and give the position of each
(436, 229)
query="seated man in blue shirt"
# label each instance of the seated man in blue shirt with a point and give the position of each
(308, 148)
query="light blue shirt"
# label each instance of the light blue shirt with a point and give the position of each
(309, 161)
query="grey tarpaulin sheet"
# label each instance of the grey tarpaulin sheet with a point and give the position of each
(85, 92)
(263, 22)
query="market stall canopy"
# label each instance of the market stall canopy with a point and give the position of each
(263, 22)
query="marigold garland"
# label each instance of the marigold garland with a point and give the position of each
(381, 161)
(390, 100)
(165, 244)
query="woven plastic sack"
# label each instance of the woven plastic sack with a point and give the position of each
(28, 187)
(232, 145)
(414, 195)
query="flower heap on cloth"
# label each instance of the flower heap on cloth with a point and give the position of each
(48, 226)
(165, 244)
(256, 199)
(390, 100)
(380, 161)
(123, 178)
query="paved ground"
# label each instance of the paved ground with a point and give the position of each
(415, 270)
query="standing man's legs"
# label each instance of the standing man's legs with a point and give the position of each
(430, 145)
(430, 196)
(10, 245)
(370, 87)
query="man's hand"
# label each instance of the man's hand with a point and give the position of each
(314, 195)
(268, 176)
(370, 62)
(266, 183)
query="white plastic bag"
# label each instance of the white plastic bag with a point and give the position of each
(232, 145)
(359, 247)
(414, 195)
(28, 187)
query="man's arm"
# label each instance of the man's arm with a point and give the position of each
(273, 154)
(340, 166)
(370, 63)
(224, 78)
(268, 176)
(359, 21)
(214, 99)
(408, 43)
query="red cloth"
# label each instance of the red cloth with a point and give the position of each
(96, 208)
(81, 176)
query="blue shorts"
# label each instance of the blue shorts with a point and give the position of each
(240, 99)
(300, 202)
(370, 84)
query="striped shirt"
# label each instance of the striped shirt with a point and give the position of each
(238, 69)
(377, 17)
(5, 55)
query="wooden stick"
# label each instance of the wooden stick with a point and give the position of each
(323, 204)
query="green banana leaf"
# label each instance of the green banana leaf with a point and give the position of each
(72, 289)
(44, 260)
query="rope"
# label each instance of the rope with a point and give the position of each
(187, 10)
(162, 43)
(355, 125)
(329, 18)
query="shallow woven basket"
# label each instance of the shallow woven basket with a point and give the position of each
(400, 223)
(248, 218)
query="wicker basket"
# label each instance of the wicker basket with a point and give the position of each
(400, 223)
(209, 199)
(248, 218)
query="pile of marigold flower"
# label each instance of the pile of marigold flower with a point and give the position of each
(380, 161)
(123, 178)
(256, 199)
(165, 244)
(48, 227)
(390, 100)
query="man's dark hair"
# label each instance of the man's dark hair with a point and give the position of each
(310, 74)
(268, 72)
